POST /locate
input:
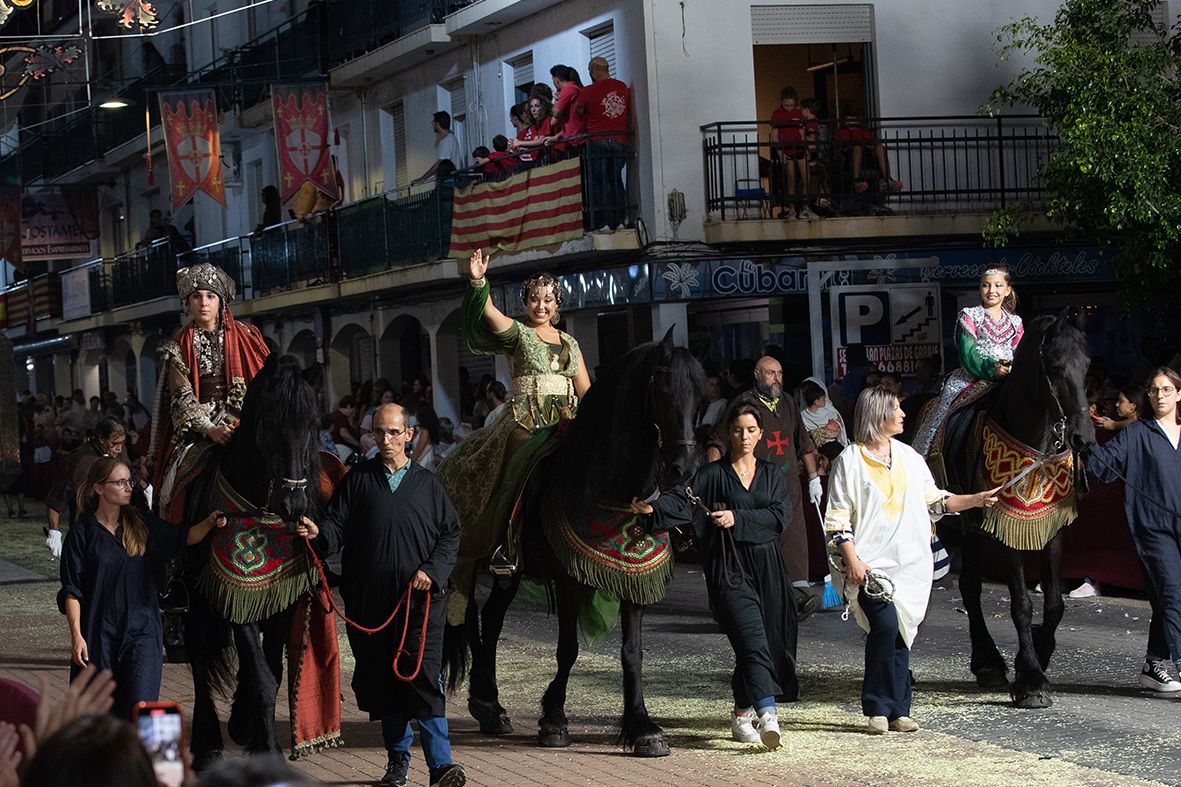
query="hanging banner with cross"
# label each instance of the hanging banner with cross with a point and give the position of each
(193, 143)
(301, 138)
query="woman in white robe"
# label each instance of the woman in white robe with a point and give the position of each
(882, 501)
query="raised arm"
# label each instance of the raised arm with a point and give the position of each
(477, 268)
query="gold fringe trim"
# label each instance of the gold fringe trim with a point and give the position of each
(1028, 534)
(332, 740)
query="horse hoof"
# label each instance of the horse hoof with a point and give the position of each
(553, 739)
(992, 678)
(493, 718)
(204, 760)
(501, 725)
(238, 727)
(1032, 699)
(651, 746)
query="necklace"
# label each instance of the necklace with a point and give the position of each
(885, 458)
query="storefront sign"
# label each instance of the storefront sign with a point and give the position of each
(58, 224)
(732, 278)
(898, 324)
(76, 293)
(590, 290)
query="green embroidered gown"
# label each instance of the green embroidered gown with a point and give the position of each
(483, 474)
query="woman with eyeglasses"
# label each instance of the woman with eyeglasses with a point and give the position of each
(108, 575)
(1146, 455)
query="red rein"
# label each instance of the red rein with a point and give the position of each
(405, 600)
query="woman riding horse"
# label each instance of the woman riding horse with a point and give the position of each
(484, 473)
(986, 337)
(207, 366)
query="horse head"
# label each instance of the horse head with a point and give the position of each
(279, 436)
(676, 389)
(1062, 360)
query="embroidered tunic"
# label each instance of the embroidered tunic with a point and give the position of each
(884, 510)
(981, 342)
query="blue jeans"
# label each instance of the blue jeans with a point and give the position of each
(436, 746)
(886, 690)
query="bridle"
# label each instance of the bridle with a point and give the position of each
(685, 441)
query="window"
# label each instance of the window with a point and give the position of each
(602, 44)
(457, 106)
(521, 76)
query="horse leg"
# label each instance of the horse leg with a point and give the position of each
(987, 664)
(244, 715)
(205, 742)
(1030, 689)
(1052, 605)
(552, 726)
(637, 731)
(484, 635)
(258, 688)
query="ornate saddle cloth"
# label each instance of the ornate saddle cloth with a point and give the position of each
(611, 551)
(257, 567)
(1032, 511)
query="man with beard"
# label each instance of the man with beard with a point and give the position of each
(785, 444)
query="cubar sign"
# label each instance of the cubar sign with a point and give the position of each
(898, 324)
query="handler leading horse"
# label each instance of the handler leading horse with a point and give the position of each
(1024, 439)
(632, 436)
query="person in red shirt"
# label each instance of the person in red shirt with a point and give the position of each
(519, 117)
(539, 133)
(788, 120)
(342, 423)
(856, 139)
(603, 105)
(498, 164)
(568, 124)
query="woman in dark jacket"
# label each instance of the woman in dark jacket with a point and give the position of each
(749, 591)
(1147, 456)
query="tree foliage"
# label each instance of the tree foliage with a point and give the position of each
(1105, 78)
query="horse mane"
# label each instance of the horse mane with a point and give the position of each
(280, 405)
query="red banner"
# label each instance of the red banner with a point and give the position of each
(301, 137)
(537, 207)
(193, 144)
(10, 226)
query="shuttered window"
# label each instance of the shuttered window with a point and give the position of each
(811, 24)
(522, 75)
(458, 99)
(602, 44)
(401, 171)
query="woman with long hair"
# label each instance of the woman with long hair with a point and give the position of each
(986, 338)
(1146, 455)
(108, 576)
(882, 501)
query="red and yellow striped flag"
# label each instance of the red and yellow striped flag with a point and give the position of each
(537, 207)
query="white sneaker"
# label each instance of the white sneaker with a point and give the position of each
(1155, 676)
(806, 213)
(1085, 590)
(1037, 588)
(768, 726)
(742, 727)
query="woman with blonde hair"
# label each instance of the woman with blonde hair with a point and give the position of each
(108, 575)
(882, 501)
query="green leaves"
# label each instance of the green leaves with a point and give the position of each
(1105, 79)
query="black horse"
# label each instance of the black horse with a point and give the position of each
(1042, 403)
(633, 435)
(269, 462)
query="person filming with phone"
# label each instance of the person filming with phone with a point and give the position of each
(108, 576)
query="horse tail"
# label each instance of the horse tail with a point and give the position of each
(209, 642)
(456, 655)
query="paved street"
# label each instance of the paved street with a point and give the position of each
(1102, 730)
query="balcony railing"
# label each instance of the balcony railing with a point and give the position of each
(293, 254)
(371, 23)
(936, 165)
(394, 230)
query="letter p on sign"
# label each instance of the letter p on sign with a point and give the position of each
(861, 310)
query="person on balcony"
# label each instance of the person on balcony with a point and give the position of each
(788, 121)
(206, 368)
(604, 106)
(519, 117)
(541, 132)
(549, 378)
(448, 155)
(160, 228)
(565, 122)
(854, 142)
(987, 336)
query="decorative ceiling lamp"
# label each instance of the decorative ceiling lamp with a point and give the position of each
(129, 13)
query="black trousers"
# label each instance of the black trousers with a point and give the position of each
(886, 690)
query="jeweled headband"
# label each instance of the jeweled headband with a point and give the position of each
(996, 272)
(542, 280)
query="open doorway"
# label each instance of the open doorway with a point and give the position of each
(837, 75)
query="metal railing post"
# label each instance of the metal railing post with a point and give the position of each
(1000, 159)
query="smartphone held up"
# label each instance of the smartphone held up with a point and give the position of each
(161, 729)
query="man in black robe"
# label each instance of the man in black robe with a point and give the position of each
(395, 525)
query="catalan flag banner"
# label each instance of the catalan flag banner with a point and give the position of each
(301, 138)
(193, 143)
(538, 207)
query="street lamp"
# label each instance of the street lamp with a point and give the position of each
(107, 98)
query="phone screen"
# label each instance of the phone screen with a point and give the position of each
(161, 731)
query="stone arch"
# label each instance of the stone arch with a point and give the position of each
(303, 347)
(404, 351)
(350, 360)
(121, 368)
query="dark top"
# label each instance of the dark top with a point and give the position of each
(1142, 453)
(785, 438)
(117, 592)
(760, 513)
(384, 538)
